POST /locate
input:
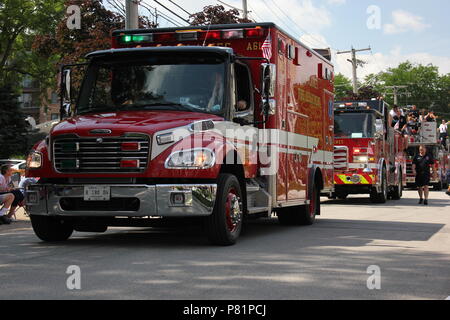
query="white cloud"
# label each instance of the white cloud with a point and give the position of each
(336, 2)
(381, 62)
(303, 13)
(404, 21)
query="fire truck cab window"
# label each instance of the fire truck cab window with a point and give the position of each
(351, 125)
(243, 88)
(157, 83)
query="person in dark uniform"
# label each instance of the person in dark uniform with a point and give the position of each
(421, 168)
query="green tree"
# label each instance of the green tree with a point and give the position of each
(426, 87)
(13, 133)
(216, 15)
(342, 87)
(20, 22)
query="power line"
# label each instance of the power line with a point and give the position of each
(180, 7)
(279, 18)
(165, 17)
(300, 28)
(120, 11)
(175, 14)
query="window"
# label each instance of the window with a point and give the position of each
(163, 82)
(243, 88)
(26, 99)
(55, 98)
(354, 125)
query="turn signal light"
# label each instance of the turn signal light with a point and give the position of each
(129, 163)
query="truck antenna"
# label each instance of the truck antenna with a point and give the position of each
(209, 26)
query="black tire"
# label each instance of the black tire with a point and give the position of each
(382, 197)
(224, 225)
(438, 186)
(50, 229)
(302, 215)
(342, 196)
(397, 193)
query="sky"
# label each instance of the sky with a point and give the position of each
(396, 30)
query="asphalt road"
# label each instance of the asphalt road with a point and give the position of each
(329, 260)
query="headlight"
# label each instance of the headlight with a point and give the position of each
(34, 160)
(360, 159)
(191, 159)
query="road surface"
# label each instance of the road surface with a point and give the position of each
(410, 245)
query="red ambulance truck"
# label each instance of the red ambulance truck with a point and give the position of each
(218, 123)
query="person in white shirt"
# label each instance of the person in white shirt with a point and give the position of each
(394, 116)
(443, 133)
(6, 201)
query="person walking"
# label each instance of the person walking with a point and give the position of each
(421, 169)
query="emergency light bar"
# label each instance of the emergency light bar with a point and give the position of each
(189, 35)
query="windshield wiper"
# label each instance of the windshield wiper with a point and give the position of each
(173, 105)
(101, 109)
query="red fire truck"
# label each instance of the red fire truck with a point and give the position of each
(218, 123)
(427, 136)
(369, 154)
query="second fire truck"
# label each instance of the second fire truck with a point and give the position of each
(369, 155)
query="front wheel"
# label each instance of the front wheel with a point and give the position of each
(50, 229)
(438, 186)
(381, 197)
(224, 225)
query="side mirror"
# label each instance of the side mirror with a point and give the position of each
(268, 83)
(65, 92)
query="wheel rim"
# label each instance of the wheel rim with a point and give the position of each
(232, 210)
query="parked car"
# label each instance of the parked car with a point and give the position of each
(17, 165)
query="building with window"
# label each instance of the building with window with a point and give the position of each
(33, 103)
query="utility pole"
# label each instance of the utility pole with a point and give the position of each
(395, 92)
(132, 15)
(244, 6)
(354, 63)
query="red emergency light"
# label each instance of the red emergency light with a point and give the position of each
(210, 35)
(165, 37)
(186, 35)
(254, 33)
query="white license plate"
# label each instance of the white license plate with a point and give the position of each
(97, 193)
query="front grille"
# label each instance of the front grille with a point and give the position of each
(341, 158)
(99, 155)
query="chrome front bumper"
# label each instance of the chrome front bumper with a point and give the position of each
(154, 200)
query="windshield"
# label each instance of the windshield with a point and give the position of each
(187, 83)
(354, 125)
